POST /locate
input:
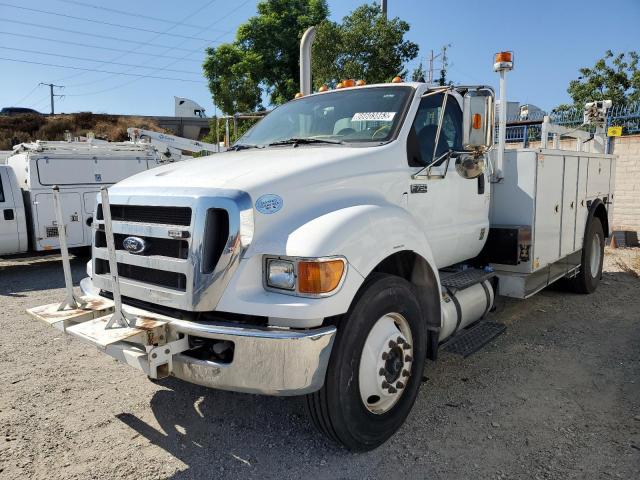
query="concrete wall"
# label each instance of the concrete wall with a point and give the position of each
(626, 196)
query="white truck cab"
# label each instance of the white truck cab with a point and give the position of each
(336, 247)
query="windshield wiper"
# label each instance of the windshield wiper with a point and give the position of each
(243, 146)
(303, 141)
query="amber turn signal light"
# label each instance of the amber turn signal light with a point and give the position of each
(349, 83)
(319, 277)
(476, 122)
(396, 79)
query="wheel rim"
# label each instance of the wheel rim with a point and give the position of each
(385, 364)
(595, 255)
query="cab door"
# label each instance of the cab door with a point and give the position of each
(9, 232)
(452, 211)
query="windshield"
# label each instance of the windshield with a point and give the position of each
(367, 115)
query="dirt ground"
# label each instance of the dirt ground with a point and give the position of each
(557, 396)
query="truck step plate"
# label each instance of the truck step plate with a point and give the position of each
(61, 319)
(148, 331)
(474, 338)
(464, 278)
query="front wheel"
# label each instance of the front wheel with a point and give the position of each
(375, 368)
(590, 273)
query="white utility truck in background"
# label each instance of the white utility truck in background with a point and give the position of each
(27, 217)
(339, 244)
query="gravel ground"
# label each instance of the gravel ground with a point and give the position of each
(556, 396)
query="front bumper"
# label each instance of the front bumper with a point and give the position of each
(271, 361)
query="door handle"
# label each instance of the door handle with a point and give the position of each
(8, 214)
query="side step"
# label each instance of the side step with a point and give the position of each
(471, 340)
(462, 279)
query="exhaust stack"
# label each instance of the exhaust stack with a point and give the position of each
(305, 60)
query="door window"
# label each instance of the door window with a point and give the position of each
(1, 190)
(425, 128)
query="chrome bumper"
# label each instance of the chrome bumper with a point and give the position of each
(269, 361)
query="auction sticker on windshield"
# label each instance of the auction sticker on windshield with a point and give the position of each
(373, 116)
(269, 203)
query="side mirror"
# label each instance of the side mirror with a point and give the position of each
(477, 120)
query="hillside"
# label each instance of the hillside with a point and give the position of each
(26, 128)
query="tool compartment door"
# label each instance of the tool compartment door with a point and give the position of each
(569, 202)
(548, 215)
(46, 225)
(9, 238)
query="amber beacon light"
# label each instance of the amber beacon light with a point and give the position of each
(503, 61)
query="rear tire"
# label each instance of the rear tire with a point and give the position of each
(592, 258)
(375, 368)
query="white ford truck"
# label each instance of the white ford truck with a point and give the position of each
(336, 247)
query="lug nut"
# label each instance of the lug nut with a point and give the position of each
(400, 340)
(385, 384)
(382, 371)
(399, 385)
(406, 346)
(385, 355)
(408, 358)
(392, 390)
(392, 344)
(405, 373)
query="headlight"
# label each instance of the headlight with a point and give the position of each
(281, 274)
(313, 277)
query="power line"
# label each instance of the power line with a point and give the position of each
(94, 60)
(99, 47)
(106, 37)
(123, 12)
(38, 102)
(129, 82)
(100, 71)
(27, 95)
(102, 22)
(183, 19)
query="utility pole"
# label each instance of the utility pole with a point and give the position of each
(383, 7)
(432, 57)
(51, 86)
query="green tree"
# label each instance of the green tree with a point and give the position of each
(418, 74)
(613, 77)
(366, 45)
(264, 56)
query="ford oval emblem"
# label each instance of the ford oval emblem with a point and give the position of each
(134, 244)
(269, 203)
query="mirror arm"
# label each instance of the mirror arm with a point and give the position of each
(446, 155)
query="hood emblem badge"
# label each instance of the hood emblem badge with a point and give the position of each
(269, 203)
(134, 244)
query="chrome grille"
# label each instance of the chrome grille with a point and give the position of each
(164, 247)
(152, 276)
(149, 214)
(193, 244)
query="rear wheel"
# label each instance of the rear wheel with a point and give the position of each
(375, 368)
(590, 273)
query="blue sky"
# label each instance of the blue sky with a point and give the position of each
(551, 39)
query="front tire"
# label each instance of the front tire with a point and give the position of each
(590, 273)
(375, 368)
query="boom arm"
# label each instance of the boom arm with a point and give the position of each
(163, 141)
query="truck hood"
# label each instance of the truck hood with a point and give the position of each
(249, 170)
